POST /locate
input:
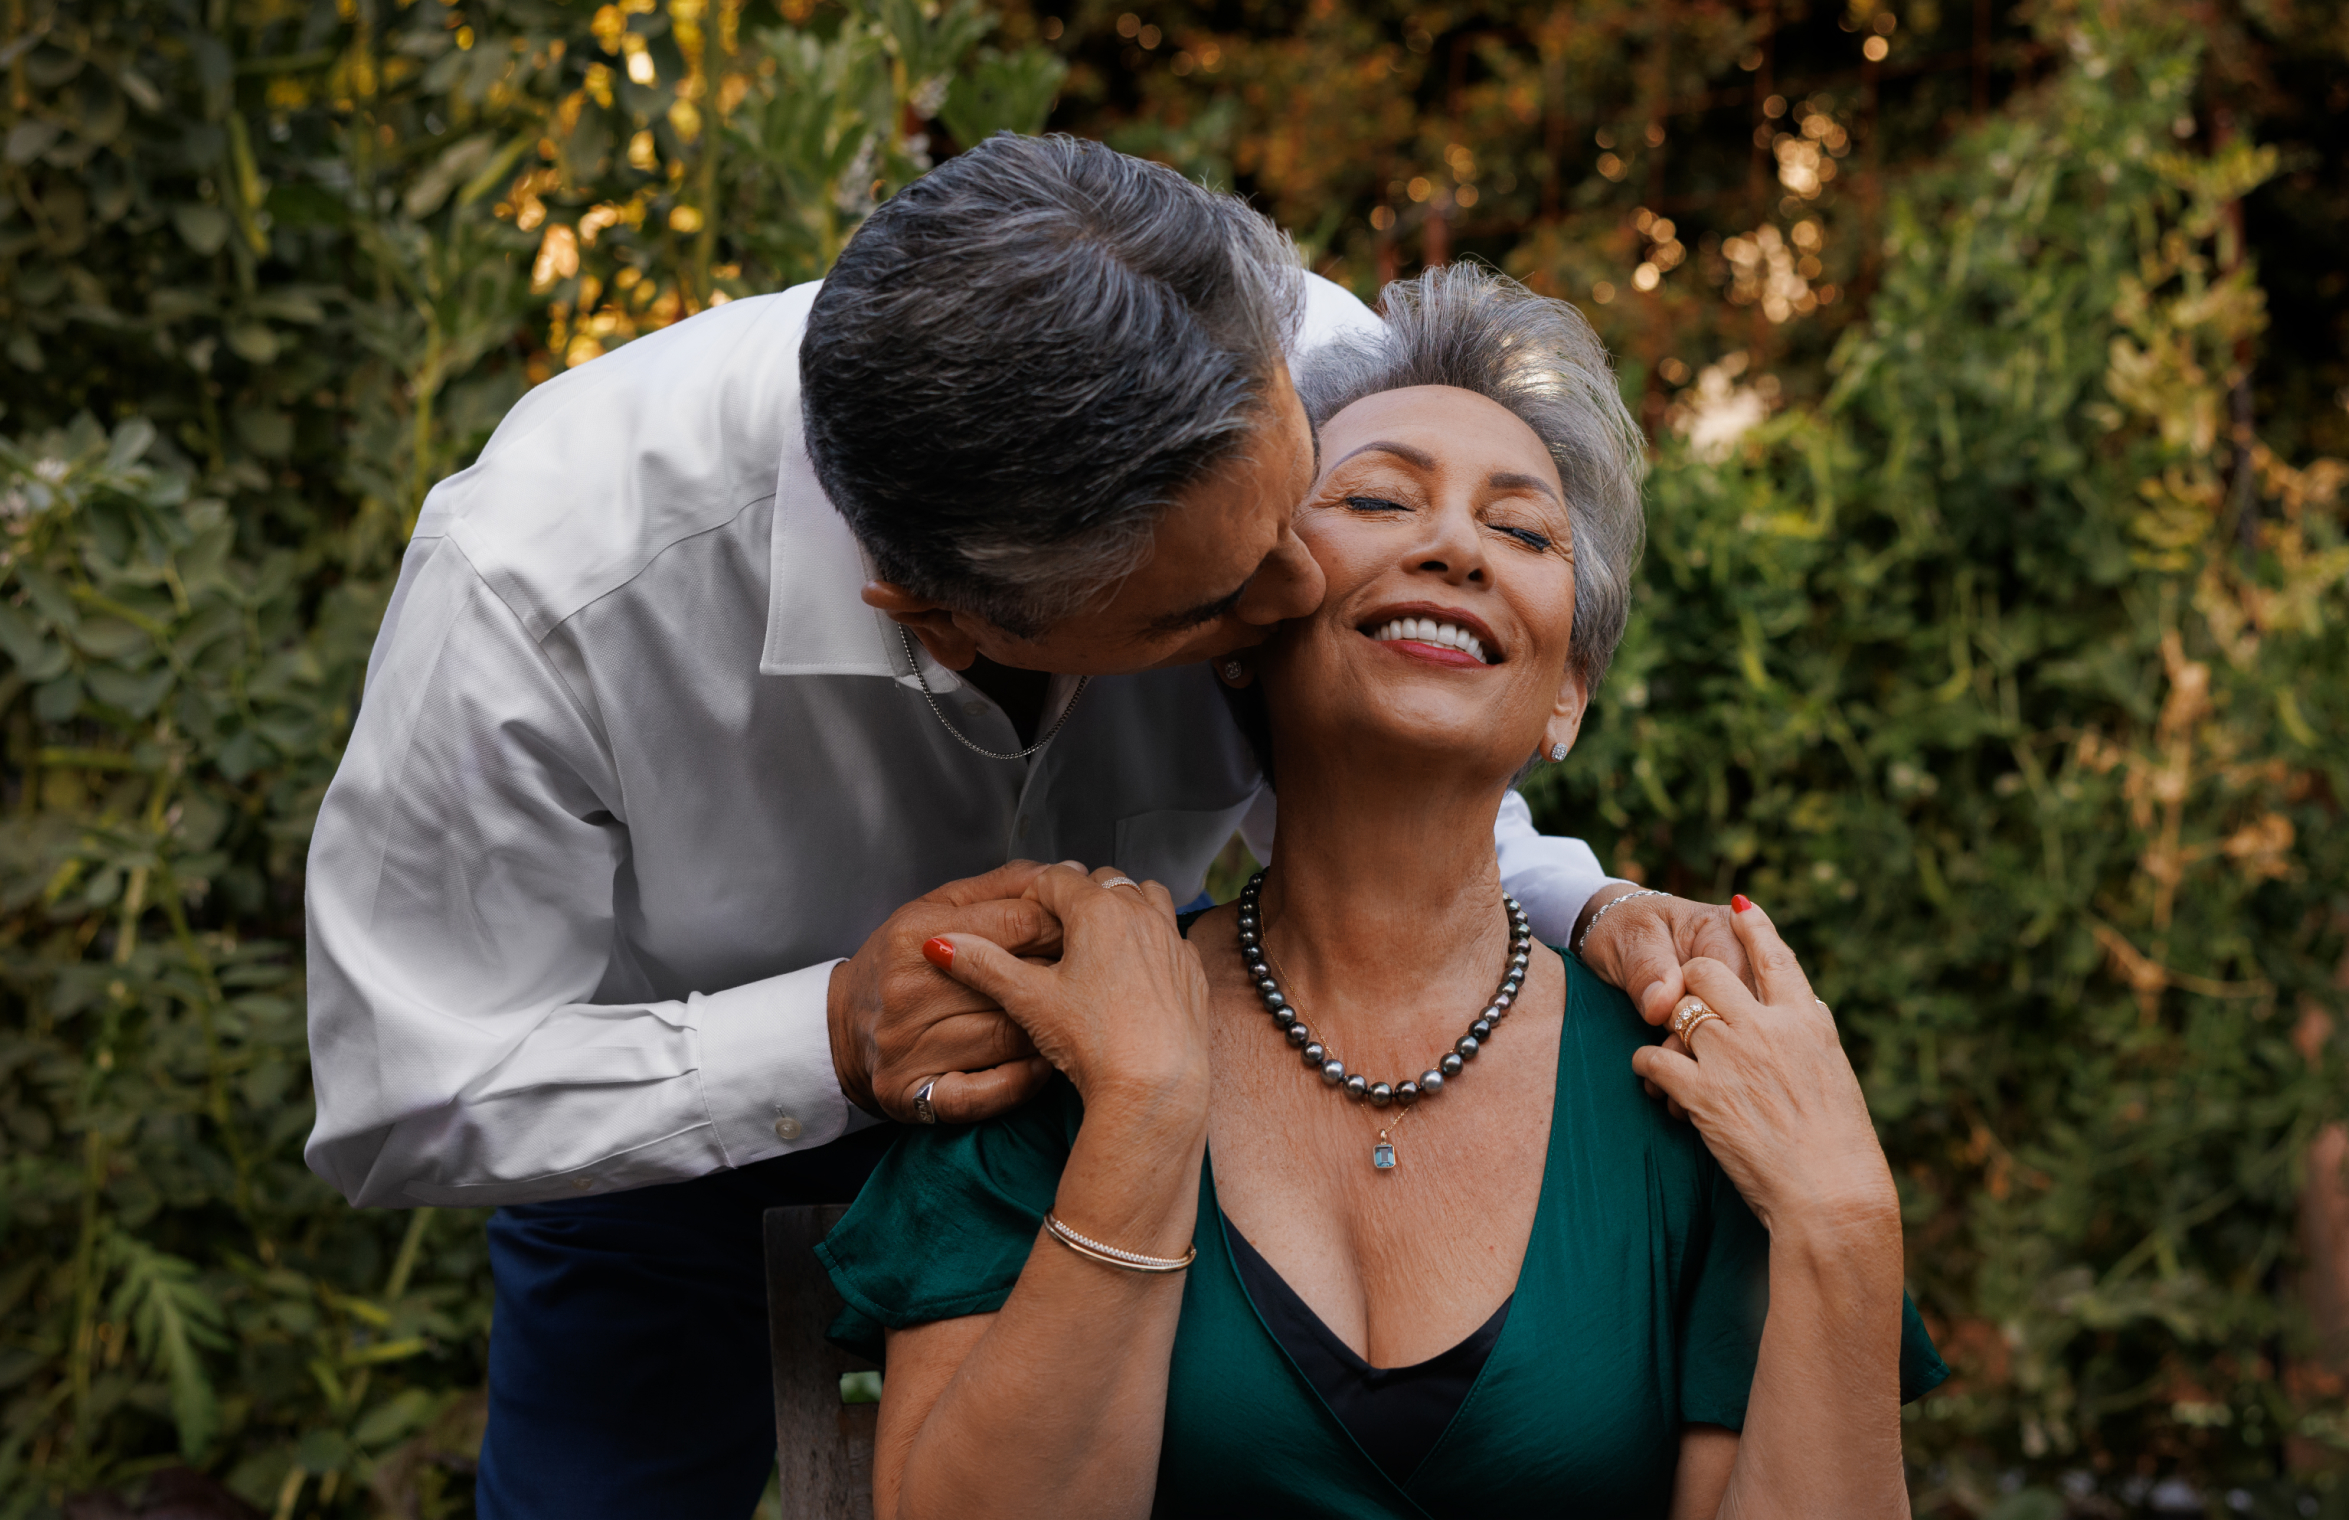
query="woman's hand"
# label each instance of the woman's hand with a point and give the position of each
(1769, 1087)
(1123, 1011)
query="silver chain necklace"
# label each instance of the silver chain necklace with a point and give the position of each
(944, 722)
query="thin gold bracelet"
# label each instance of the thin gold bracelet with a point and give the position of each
(1108, 1255)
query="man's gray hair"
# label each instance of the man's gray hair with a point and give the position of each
(1469, 327)
(1022, 358)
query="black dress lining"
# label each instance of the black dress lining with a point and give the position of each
(1396, 1414)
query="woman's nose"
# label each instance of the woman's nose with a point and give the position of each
(1289, 584)
(1454, 547)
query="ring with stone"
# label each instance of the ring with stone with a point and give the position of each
(923, 1112)
(1690, 1012)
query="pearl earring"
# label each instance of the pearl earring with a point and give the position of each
(1231, 670)
(1557, 753)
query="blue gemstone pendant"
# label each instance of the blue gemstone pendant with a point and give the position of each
(1382, 1155)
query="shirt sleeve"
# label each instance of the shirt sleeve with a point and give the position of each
(944, 1227)
(461, 921)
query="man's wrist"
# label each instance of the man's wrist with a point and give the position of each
(1612, 891)
(848, 1065)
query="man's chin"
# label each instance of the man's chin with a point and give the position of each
(1208, 650)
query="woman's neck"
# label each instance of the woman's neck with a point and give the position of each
(1382, 904)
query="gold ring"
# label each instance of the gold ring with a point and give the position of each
(1123, 881)
(1686, 1012)
(1687, 1030)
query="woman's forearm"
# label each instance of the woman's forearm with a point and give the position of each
(1822, 1429)
(1059, 1405)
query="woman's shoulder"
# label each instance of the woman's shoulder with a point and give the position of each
(1598, 1091)
(1597, 1010)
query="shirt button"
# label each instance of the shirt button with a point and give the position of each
(787, 1128)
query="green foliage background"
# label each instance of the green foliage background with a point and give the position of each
(1982, 637)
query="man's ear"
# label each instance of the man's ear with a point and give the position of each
(1566, 716)
(942, 632)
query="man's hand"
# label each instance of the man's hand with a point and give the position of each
(1641, 946)
(897, 1021)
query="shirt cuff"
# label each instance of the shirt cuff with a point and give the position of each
(766, 1066)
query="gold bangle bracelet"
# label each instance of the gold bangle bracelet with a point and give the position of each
(1108, 1255)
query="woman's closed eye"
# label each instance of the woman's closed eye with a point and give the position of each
(1532, 538)
(1374, 504)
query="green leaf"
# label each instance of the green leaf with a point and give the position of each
(395, 1417)
(389, 1351)
(205, 228)
(459, 160)
(134, 694)
(267, 431)
(37, 657)
(252, 341)
(172, 1317)
(1003, 92)
(323, 1451)
(29, 139)
(132, 439)
(57, 701)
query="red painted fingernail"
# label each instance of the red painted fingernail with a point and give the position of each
(1740, 902)
(939, 953)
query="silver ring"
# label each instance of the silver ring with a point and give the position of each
(923, 1112)
(1123, 881)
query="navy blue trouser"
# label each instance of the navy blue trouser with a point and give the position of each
(628, 1368)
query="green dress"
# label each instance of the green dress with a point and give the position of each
(1638, 1307)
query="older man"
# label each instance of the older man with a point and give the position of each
(730, 650)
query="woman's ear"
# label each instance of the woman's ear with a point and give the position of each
(1565, 723)
(942, 632)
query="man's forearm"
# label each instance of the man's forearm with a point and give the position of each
(593, 1097)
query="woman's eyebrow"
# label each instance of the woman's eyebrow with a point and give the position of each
(1505, 480)
(1402, 451)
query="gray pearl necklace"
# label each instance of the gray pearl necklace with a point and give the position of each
(1333, 1071)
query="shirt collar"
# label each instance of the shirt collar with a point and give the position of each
(817, 620)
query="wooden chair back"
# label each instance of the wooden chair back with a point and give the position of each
(823, 1446)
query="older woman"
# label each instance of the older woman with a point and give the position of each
(1281, 1238)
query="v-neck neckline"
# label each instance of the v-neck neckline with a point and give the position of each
(1510, 1336)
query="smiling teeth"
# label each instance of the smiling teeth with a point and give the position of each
(1428, 631)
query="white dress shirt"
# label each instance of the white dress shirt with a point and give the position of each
(637, 767)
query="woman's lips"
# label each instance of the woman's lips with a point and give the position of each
(1433, 654)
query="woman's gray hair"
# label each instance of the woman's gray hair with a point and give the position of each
(1474, 329)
